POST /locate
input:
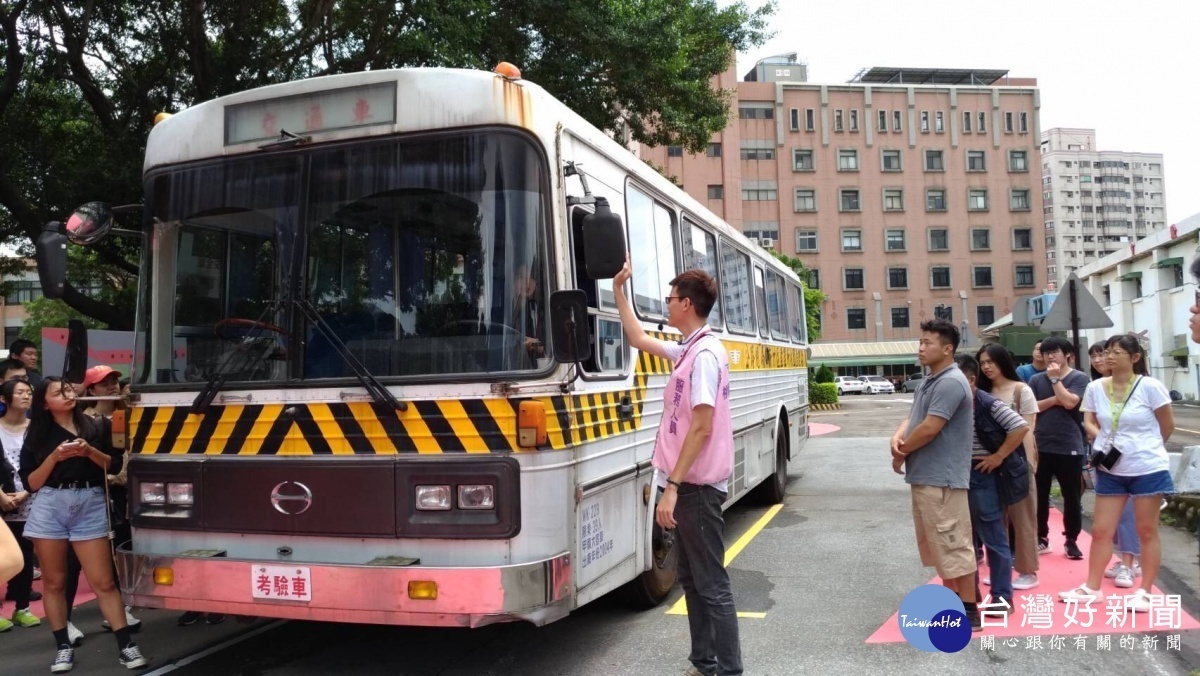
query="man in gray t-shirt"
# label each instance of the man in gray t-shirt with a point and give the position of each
(934, 446)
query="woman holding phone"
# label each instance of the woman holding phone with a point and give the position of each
(65, 459)
(1129, 416)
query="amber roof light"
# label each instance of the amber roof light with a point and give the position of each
(507, 71)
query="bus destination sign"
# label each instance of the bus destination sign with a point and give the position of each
(327, 110)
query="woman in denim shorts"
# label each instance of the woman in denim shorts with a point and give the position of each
(1129, 415)
(65, 459)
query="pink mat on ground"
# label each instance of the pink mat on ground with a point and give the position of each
(816, 429)
(84, 595)
(1058, 573)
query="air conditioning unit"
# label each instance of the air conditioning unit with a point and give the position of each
(766, 242)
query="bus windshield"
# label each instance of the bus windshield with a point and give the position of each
(424, 256)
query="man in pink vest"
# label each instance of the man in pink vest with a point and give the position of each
(693, 456)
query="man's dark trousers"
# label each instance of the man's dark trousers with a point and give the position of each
(712, 618)
(1068, 469)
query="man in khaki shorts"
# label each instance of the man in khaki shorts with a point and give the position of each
(934, 445)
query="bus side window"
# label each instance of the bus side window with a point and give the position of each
(796, 310)
(735, 289)
(652, 252)
(760, 299)
(700, 252)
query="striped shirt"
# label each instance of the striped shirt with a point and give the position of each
(1009, 419)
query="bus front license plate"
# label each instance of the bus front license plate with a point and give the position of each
(281, 583)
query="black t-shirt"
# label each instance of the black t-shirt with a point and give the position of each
(1058, 428)
(74, 469)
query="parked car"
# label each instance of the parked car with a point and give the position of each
(913, 382)
(878, 385)
(847, 384)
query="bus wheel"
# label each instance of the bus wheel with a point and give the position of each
(651, 587)
(774, 489)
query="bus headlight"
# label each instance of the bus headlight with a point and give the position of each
(478, 496)
(180, 494)
(433, 498)
(153, 493)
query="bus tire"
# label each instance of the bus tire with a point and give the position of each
(773, 490)
(653, 586)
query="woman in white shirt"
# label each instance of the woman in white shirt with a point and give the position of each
(17, 396)
(1129, 415)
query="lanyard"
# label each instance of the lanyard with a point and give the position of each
(691, 342)
(1117, 410)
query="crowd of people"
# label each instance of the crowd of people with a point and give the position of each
(985, 440)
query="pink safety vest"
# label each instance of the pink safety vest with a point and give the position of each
(715, 462)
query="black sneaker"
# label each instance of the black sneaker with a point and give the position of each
(214, 618)
(975, 620)
(189, 618)
(64, 660)
(1072, 551)
(131, 657)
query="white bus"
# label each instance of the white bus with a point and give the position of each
(350, 395)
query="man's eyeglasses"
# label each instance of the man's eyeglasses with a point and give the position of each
(668, 299)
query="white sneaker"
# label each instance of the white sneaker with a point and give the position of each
(1026, 581)
(1124, 578)
(130, 621)
(1112, 572)
(1139, 603)
(1081, 593)
(74, 635)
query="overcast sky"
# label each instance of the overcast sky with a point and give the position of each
(1129, 70)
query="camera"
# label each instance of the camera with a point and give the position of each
(1106, 460)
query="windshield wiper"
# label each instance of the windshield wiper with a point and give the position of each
(216, 380)
(378, 392)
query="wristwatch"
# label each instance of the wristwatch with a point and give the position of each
(1054, 381)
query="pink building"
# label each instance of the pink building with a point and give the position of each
(910, 193)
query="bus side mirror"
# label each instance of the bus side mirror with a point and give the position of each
(569, 325)
(52, 260)
(76, 364)
(90, 223)
(603, 242)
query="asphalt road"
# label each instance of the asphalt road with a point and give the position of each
(827, 571)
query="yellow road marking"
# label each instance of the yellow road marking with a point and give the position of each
(680, 606)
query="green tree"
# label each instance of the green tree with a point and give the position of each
(813, 298)
(45, 312)
(80, 83)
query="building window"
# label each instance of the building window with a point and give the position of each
(935, 199)
(852, 279)
(837, 120)
(1018, 160)
(924, 121)
(977, 199)
(803, 160)
(716, 192)
(1019, 200)
(1023, 118)
(939, 277)
(674, 151)
(982, 276)
(1008, 123)
(982, 127)
(976, 160)
(23, 292)
(810, 119)
(1107, 290)
(856, 318)
(756, 112)
(759, 194)
(806, 199)
(896, 121)
(1022, 239)
(847, 159)
(1177, 272)
(894, 240)
(985, 316)
(966, 123)
(849, 200)
(794, 118)
(893, 199)
(806, 240)
(814, 278)
(897, 278)
(854, 119)
(900, 318)
(939, 239)
(933, 161)
(757, 153)
(980, 239)
(852, 240)
(1023, 275)
(714, 150)
(939, 122)
(893, 160)
(882, 126)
